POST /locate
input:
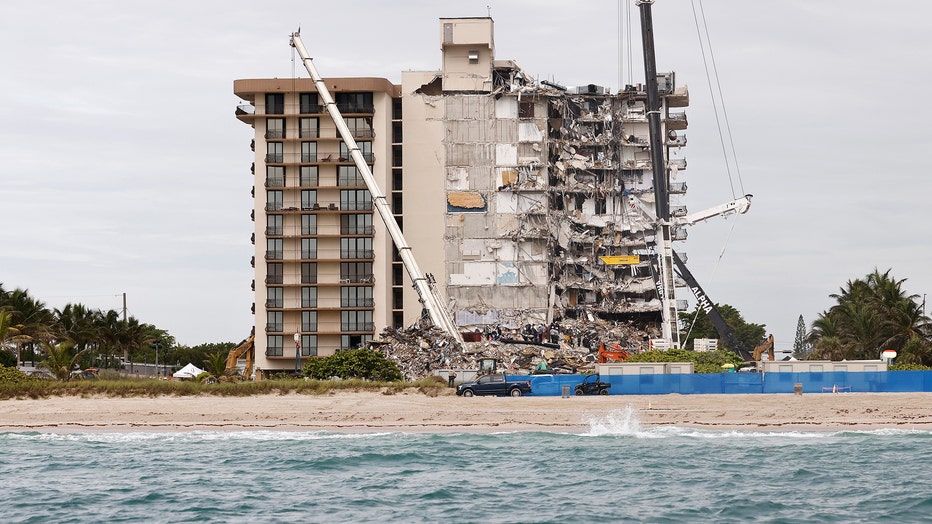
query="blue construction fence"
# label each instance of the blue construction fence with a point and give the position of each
(730, 383)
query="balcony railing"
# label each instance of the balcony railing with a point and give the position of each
(356, 253)
(678, 187)
(357, 302)
(275, 303)
(308, 254)
(275, 158)
(309, 132)
(274, 133)
(355, 108)
(355, 205)
(309, 327)
(273, 206)
(274, 279)
(351, 181)
(356, 326)
(274, 351)
(357, 230)
(362, 132)
(308, 157)
(308, 303)
(275, 181)
(274, 231)
(274, 255)
(274, 328)
(680, 163)
(308, 279)
(357, 279)
(312, 109)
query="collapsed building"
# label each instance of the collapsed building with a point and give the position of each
(541, 182)
(523, 201)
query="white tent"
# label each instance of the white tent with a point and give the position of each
(189, 371)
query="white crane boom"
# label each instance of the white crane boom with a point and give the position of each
(431, 303)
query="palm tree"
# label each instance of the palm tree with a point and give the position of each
(36, 320)
(77, 323)
(60, 359)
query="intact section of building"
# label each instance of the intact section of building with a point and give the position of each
(523, 199)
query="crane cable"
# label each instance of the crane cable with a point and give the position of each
(718, 85)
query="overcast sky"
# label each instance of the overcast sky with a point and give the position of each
(125, 170)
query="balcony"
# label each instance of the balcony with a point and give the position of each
(312, 109)
(676, 121)
(274, 279)
(275, 181)
(308, 157)
(357, 279)
(274, 255)
(677, 188)
(361, 132)
(355, 205)
(273, 206)
(308, 254)
(274, 351)
(274, 328)
(309, 327)
(678, 211)
(274, 231)
(275, 133)
(275, 158)
(309, 132)
(274, 303)
(675, 140)
(679, 163)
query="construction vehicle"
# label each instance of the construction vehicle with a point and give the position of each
(764, 348)
(247, 350)
(612, 354)
(423, 284)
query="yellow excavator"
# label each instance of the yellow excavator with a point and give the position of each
(764, 347)
(247, 350)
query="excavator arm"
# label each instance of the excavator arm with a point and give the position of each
(245, 349)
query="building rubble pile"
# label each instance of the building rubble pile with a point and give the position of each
(422, 349)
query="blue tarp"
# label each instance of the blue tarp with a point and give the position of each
(731, 383)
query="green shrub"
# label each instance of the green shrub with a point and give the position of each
(362, 363)
(704, 361)
(908, 367)
(11, 375)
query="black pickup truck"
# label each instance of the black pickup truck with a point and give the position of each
(494, 384)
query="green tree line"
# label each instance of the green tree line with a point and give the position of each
(79, 337)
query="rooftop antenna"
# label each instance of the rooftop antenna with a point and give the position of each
(488, 10)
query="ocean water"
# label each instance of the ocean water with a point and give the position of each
(616, 471)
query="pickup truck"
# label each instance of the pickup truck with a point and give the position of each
(494, 384)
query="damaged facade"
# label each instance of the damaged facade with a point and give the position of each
(523, 200)
(541, 183)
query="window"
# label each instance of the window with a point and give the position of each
(274, 152)
(398, 299)
(398, 272)
(396, 109)
(525, 109)
(356, 296)
(397, 180)
(473, 56)
(308, 103)
(308, 224)
(600, 206)
(355, 199)
(357, 247)
(356, 320)
(273, 200)
(349, 176)
(364, 147)
(309, 127)
(309, 345)
(308, 321)
(308, 176)
(274, 249)
(274, 345)
(397, 203)
(275, 176)
(354, 341)
(360, 126)
(308, 248)
(355, 102)
(308, 272)
(356, 272)
(309, 151)
(274, 273)
(356, 224)
(275, 103)
(273, 224)
(308, 297)
(274, 321)
(274, 297)
(308, 198)
(275, 128)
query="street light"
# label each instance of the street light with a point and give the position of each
(297, 352)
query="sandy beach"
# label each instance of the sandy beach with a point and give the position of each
(414, 411)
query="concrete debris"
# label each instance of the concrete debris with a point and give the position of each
(565, 346)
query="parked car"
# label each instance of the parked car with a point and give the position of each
(494, 384)
(591, 385)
